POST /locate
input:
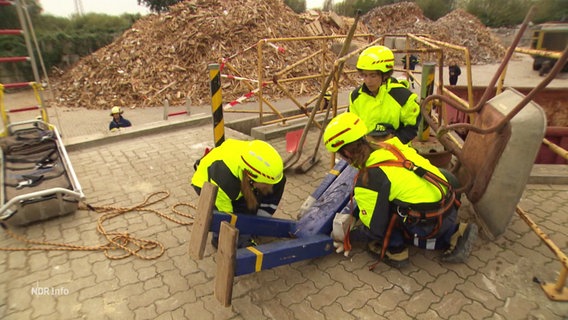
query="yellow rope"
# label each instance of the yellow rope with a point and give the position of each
(131, 246)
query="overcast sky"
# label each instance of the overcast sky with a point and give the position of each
(65, 8)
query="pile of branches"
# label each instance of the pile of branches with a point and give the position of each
(167, 56)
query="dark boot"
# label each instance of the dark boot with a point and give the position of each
(461, 243)
(394, 257)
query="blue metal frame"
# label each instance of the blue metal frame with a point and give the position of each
(304, 239)
(251, 224)
(274, 254)
(319, 218)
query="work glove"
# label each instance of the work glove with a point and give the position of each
(340, 232)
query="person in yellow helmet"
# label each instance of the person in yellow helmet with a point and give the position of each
(382, 98)
(249, 175)
(118, 121)
(401, 197)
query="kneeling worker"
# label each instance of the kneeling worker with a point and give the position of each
(401, 197)
(250, 177)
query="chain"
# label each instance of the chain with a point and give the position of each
(117, 241)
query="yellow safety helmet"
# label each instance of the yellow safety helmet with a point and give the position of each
(343, 129)
(116, 110)
(378, 58)
(262, 162)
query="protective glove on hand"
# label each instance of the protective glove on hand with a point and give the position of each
(341, 224)
(340, 247)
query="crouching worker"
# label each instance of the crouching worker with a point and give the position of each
(249, 176)
(402, 198)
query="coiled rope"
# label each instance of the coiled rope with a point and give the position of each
(117, 241)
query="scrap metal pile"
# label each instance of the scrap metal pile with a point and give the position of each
(166, 56)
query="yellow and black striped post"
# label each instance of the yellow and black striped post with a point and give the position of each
(217, 104)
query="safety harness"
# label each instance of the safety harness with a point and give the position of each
(414, 214)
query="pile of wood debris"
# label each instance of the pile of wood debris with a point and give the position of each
(167, 56)
(457, 27)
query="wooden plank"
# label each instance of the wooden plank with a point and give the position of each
(336, 19)
(310, 29)
(202, 221)
(315, 28)
(318, 26)
(226, 256)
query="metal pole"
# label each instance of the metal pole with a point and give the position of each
(216, 104)
(428, 75)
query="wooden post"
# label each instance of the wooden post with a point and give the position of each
(166, 109)
(202, 221)
(226, 257)
(187, 106)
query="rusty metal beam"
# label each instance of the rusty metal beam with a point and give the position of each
(557, 291)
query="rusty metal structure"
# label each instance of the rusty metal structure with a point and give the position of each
(490, 127)
(491, 131)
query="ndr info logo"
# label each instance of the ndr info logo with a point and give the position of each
(49, 291)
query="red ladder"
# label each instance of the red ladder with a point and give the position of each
(25, 24)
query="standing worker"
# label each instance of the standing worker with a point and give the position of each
(455, 72)
(401, 197)
(118, 121)
(381, 98)
(411, 63)
(250, 177)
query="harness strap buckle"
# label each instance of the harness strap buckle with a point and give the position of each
(404, 216)
(407, 164)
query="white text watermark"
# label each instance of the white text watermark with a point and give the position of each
(49, 291)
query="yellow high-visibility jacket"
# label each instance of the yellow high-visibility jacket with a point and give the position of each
(393, 104)
(222, 167)
(390, 186)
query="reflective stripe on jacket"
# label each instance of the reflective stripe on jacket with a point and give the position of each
(389, 183)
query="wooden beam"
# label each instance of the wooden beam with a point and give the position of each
(202, 221)
(226, 257)
(337, 20)
(315, 28)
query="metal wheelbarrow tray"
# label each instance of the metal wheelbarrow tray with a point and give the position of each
(37, 178)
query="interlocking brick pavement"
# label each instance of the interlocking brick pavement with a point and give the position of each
(496, 282)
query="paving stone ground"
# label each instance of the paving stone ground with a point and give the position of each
(495, 283)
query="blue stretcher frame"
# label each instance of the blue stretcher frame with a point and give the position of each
(304, 239)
